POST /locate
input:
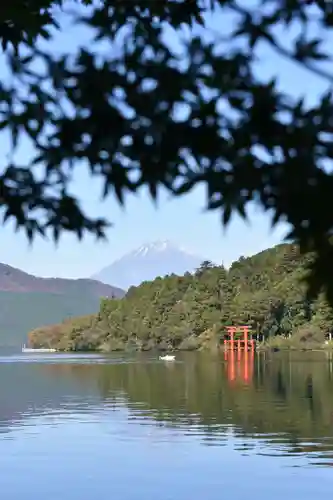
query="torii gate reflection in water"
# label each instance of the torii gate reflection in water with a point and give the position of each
(236, 361)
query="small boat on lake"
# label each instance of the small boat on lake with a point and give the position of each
(36, 351)
(167, 357)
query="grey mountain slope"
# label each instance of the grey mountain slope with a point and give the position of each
(16, 280)
(28, 302)
(146, 263)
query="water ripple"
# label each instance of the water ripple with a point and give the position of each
(139, 421)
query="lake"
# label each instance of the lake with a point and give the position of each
(79, 427)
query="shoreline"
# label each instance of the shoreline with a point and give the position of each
(285, 345)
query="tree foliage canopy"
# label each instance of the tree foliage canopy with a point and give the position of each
(189, 312)
(118, 112)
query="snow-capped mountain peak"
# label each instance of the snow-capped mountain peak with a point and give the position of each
(155, 246)
(150, 260)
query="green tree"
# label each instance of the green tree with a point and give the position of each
(192, 311)
(117, 113)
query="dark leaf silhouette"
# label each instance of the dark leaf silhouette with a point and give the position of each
(148, 115)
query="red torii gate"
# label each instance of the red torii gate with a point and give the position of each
(240, 344)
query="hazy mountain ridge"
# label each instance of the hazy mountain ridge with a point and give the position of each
(15, 280)
(23, 311)
(27, 301)
(159, 258)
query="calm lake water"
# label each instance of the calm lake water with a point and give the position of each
(82, 427)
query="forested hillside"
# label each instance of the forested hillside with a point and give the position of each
(265, 291)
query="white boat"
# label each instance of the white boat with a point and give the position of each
(167, 357)
(36, 351)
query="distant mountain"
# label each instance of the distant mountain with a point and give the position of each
(159, 258)
(15, 280)
(27, 301)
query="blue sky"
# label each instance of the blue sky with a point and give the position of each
(182, 220)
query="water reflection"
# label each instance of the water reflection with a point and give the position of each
(267, 405)
(239, 365)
